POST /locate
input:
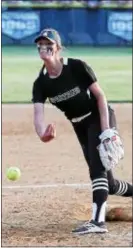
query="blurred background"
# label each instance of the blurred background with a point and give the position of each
(41, 208)
(97, 31)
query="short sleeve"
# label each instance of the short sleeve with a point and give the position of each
(85, 72)
(38, 95)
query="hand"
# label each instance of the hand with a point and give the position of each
(112, 142)
(49, 134)
(110, 149)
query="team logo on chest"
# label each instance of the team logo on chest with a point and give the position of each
(65, 96)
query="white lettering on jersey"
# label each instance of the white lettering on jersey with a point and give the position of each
(88, 93)
(65, 96)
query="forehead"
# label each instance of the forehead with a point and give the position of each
(45, 42)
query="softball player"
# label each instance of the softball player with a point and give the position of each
(71, 85)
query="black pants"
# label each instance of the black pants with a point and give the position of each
(88, 131)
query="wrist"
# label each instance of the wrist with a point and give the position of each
(41, 135)
(103, 129)
(105, 126)
(107, 133)
(42, 138)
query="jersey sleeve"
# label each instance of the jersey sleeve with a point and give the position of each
(88, 76)
(38, 95)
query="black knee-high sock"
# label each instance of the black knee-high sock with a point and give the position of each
(100, 195)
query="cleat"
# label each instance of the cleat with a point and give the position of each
(91, 227)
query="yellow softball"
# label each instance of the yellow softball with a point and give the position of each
(13, 173)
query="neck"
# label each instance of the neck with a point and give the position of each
(54, 66)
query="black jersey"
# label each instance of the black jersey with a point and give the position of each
(69, 91)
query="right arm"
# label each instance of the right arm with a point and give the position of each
(39, 119)
(45, 133)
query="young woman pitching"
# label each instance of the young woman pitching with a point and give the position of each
(71, 85)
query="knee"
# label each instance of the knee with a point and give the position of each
(112, 187)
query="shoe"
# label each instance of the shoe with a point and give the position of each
(91, 227)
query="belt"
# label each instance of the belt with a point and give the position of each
(78, 119)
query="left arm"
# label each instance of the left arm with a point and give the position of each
(110, 141)
(111, 148)
(102, 105)
(90, 81)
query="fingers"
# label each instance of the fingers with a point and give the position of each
(48, 130)
(50, 133)
(51, 130)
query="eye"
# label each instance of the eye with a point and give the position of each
(49, 44)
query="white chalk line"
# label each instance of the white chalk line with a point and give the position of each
(45, 186)
(24, 105)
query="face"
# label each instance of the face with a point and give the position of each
(47, 49)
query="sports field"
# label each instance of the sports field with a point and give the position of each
(54, 192)
(20, 67)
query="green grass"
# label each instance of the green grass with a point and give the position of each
(113, 67)
(54, 4)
